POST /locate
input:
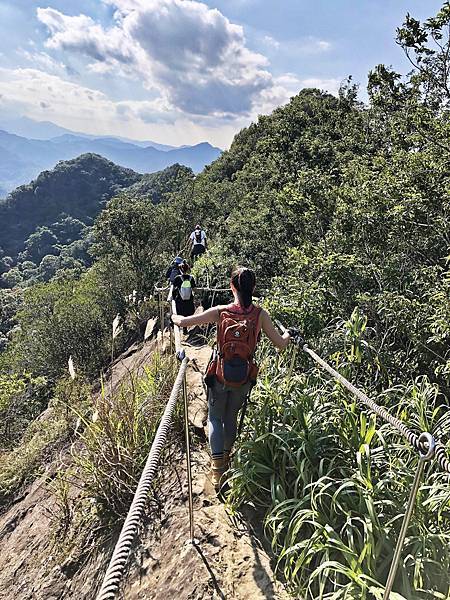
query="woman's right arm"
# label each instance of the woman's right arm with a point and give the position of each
(278, 340)
(208, 316)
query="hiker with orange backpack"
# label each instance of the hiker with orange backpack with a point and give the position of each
(232, 369)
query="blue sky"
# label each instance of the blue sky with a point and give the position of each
(183, 71)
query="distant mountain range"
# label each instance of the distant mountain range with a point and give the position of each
(23, 158)
(46, 130)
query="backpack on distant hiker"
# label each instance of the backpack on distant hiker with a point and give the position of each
(198, 236)
(237, 336)
(186, 289)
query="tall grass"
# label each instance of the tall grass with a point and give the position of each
(117, 436)
(334, 482)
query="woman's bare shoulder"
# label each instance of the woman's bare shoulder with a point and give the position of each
(221, 306)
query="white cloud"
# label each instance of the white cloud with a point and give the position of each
(300, 47)
(271, 41)
(204, 80)
(32, 87)
(35, 88)
(288, 85)
(147, 111)
(81, 34)
(194, 56)
(330, 85)
(307, 46)
(40, 95)
(42, 60)
(321, 45)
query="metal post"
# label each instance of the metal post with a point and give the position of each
(178, 347)
(161, 313)
(188, 462)
(171, 338)
(291, 367)
(429, 439)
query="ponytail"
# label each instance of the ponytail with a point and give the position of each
(244, 281)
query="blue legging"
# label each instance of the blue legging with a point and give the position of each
(224, 403)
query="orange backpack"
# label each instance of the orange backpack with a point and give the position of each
(237, 336)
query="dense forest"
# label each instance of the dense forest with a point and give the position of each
(343, 210)
(46, 225)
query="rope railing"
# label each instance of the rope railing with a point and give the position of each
(198, 288)
(216, 290)
(122, 550)
(413, 439)
(425, 443)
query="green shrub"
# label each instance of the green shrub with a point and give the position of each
(22, 398)
(43, 436)
(334, 481)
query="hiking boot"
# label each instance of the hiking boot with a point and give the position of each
(217, 470)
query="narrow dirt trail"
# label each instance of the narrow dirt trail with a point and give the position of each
(227, 562)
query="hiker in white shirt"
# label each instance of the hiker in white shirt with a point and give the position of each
(198, 239)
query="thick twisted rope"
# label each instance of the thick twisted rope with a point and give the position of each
(198, 289)
(413, 439)
(121, 554)
(162, 289)
(209, 289)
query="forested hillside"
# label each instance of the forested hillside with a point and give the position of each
(343, 210)
(46, 225)
(313, 196)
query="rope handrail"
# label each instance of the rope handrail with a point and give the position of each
(162, 289)
(122, 550)
(413, 439)
(209, 289)
(199, 289)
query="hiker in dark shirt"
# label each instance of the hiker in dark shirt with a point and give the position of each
(183, 294)
(174, 269)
